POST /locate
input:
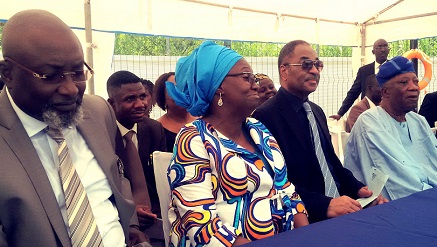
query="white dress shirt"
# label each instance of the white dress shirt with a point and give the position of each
(91, 175)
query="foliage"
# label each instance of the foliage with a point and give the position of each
(129, 44)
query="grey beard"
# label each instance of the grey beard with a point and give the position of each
(58, 120)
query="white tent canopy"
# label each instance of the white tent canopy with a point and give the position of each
(328, 22)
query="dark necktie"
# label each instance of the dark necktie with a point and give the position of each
(83, 227)
(138, 181)
(330, 187)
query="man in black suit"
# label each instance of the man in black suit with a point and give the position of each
(284, 115)
(380, 50)
(131, 102)
(428, 109)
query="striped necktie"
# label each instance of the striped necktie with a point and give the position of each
(330, 187)
(83, 228)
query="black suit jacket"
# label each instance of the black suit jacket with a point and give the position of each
(428, 109)
(358, 87)
(151, 138)
(302, 165)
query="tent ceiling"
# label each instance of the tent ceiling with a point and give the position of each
(329, 22)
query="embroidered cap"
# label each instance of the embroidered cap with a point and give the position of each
(396, 66)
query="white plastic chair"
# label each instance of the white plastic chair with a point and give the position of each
(338, 137)
(161, 161)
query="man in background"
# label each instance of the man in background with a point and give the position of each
(380, 50)
(428, 109)
(131, 103)
(371, 100)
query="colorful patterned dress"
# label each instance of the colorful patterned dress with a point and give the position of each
(221, 190)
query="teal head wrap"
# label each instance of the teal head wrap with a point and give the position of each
(199, 75)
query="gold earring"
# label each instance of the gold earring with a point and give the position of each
(220, 101)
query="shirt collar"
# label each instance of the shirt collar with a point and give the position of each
(371, 104)
(32, 125)
(377, 66)
(124, 130)
(293, 100)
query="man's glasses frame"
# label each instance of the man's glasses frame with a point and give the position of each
(56, 77)
(382, 47)
(251, 78)
(307, 64)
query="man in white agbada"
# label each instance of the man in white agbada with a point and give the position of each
(392, 138)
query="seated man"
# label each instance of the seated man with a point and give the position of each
(371, 100)
(137, 138)
(393, 139)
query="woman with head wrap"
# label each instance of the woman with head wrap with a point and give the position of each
(391, 138)
(266, 88)
(175, 116)
(228, 177)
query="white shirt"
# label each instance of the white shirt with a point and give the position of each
(91, 175)
(377, 66)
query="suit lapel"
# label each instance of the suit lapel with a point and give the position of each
(366, 102)
(93, 134)
(143, 142)
(290, 116)
(19, 142)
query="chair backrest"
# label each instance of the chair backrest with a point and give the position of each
(338, 138)
(161, 161)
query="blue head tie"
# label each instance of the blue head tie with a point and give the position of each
(199, 75)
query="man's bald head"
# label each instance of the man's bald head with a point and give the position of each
(39, 51)
(31, 29)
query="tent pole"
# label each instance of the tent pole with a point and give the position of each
(414, 45)
(89, 41)
(363, 44)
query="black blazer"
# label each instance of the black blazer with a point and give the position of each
(302, 165)
(151, 138)
(358, 87)
(428, 109)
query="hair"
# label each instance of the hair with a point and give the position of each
(120, 78)
(148, 85)
(288, 49)
(371, 81)
(159, 90)
(262, 76)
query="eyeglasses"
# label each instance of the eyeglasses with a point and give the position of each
(57, 77)
(247, 76)
(307, 64)
(382, 47)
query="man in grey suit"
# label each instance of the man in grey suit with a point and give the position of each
(45, 79)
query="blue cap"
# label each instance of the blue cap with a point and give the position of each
(396, 66)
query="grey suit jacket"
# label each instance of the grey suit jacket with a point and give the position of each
(29, 212)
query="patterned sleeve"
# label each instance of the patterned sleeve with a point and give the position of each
(290, 200)
(287, 202)
(193, 188)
